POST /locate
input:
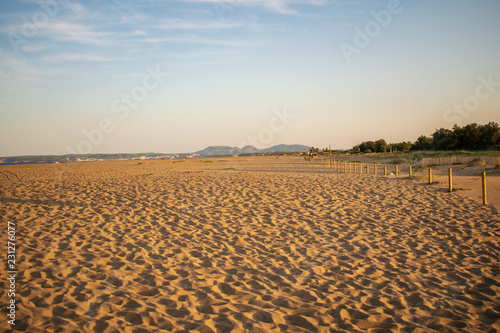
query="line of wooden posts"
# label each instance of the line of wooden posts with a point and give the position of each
(352, 168)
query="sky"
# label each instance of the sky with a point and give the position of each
(123, 76)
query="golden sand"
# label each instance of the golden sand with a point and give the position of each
(246, 245)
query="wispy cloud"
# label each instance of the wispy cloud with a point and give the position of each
(193, 39)
(15, 72)
(35, 47)
(71, 32)
(278, 6)
(182, 24)
(75, 6)
(78, 57)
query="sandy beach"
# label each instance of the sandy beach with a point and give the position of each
(247, 244)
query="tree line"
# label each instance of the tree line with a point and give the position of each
(469, 137)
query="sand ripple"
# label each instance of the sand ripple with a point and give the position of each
(255, 246)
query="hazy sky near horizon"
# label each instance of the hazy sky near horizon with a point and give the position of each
(176, 76)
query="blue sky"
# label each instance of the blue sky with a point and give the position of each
(176, 76)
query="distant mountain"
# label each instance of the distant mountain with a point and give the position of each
(249, 150)
(226, 150)
(287, 149)
(209, 151)
(218, 150)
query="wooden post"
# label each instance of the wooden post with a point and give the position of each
(385, 171)
(350, 170)
(354, 167)
(396, 171)
(375, 170)
(410, 173)
(360, 168)
(485, 197)
(330, 155)
(430, 176)
(367, 169)
(345, 166)
(450, 179)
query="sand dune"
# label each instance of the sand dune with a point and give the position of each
(246, 245)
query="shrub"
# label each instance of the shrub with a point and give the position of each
(400, 161)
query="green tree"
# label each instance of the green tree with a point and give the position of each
(423, 143)
(443, 139)
(402, 146)
(381, 146)
(490, 136)
(367, 146)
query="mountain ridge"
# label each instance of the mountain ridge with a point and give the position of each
(228, 150)
(209, 151)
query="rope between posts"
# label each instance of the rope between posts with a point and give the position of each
(492, 184)
(343, 166)
(439, 177)
(467, 182)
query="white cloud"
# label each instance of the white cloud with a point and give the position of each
(16, 74)
(197, 40)
(77, 57)
(34, 47)
(278, 6)
(140, 32)
(70, 32)
(75, 6)
(178, 24)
